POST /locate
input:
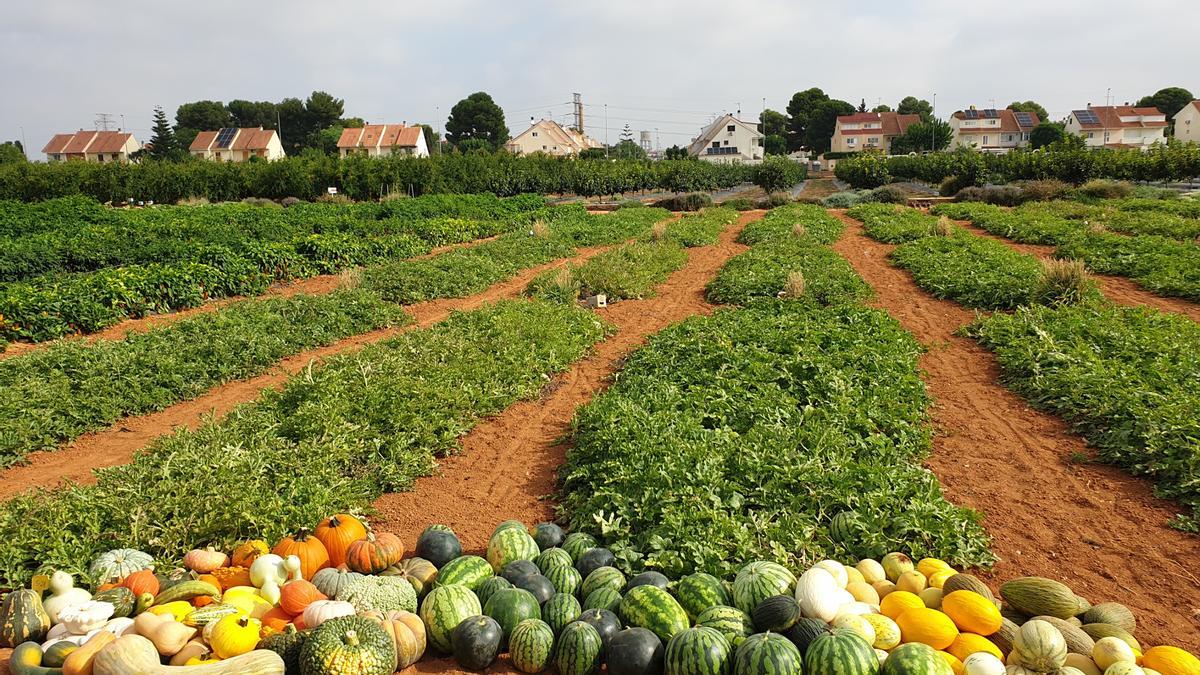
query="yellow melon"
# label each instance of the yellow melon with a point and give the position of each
(927, 626)
(1171, 661)
(897, 602)
(929, 566)
(967, 644)
(955, 664)
(972, 612)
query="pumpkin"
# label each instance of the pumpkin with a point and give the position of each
(337, 532)
(348, 644)
(119, 563)
(298, 594)
(418, 571)
(142, 581)
(332, 581)
(204, 560)
(168, 635)
(22, 618)
(307, 548)
(972, 612)
(85, 617)
(229, 577)
(1039, 646)
(374, 554)
(927, 626)
(269, 566)
(276, 619)
(63, 594)
(134, 654)
(245, 554)
(321, 611)
(407, 632)
(234, 635)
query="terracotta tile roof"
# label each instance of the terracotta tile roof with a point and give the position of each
(409, 137)
(895, 124)
(859, 118)
(349, 138)
(57, 144)
(80, 141)
(1110, 117)
(203, 140)
(379, 135)
(890, 123)
(252, 139)
(109, 141)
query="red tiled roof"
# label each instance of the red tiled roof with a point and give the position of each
(80, 141)
(858, 118)
(252, 139)
(109, 141)
(379, 135)
(57, 144)
(408, 137)
(203, 140)
(895, 124)
(87, 141)
(891, 123)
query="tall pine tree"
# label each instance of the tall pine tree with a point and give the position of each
(163, 144)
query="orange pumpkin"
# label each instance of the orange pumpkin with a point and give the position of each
(142, 581)
(337, 532)
(247, 553)
(276, 619)
(107, 586)
(298, 594)
(308, 548)
(374, 554)
(298, 622)
(232, 576)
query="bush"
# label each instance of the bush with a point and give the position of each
(868, 170)
(1045, 190)
(778, 173)
(952, 185)
(739, 204)
(1000, 195)
(1151, 192)
(772, 200)
(1062, 282)
(1105, 189)
(887, 194)
(689, 202)
(841, 200)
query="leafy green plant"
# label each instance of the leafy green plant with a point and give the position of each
(700, 229)
(629, 271)
(892, 224)
(780, 225)
(763, 271)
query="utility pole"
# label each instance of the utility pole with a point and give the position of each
(605, 131)
(103, 121)
(932, 126)
(24, 145)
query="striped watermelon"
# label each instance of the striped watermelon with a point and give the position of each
(510, 525)
(443, 609)
(603, 577)
(768, 654)
(653, 608)
(553, 557)
(565, 579)
(490, 586)
(843, 526)
(844, 652)
(577, 543)
(916, 658)
(805, 631)
(760, 580)
(731, 622)
(560, 610)
(469, 570)
(602, 598)
(697, 592)
(578, 650)
(511, 606)
(698, 651)
(531, 645)
(511, 544)
(776, 614)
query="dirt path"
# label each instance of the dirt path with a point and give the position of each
(818, 188)
(1121, 290)
(116, 444)
(1091, 526)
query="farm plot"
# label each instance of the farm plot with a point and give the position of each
(630, 271)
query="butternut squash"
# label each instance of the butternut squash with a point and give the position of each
(168, 635)
(195, 648)
(135, 655)
(79, 662)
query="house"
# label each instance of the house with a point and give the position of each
(237, 145)
(992, 130)
(1118, 126)
(383, 140)
(864, 130)
(92, 146)
(551, 138)
(1187, 123)
(729, 140)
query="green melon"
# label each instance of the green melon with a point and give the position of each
(511, 606)
(577, 543)
(776, 614)
(511, 544)
(565, 579)
(805, 631)
(843, 652)
(510, 525)
(731, 622)
(843, 527)
(1038, 595)
(603, 598)
(698, 651)
(653, 608)
(760, 580)
(531, 646)
(560, 610)
(578, 650)
(1112, 613)
(469, 570)
(697, 592)
(551, 558)
(912, 658)
(443, 609)
(768, 654)
(490, 586)
(602, 577)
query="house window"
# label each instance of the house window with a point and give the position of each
(716, 144)
(1091, 135)
(873, 141)
(985, 140)
(535, 134)
(1106, 137)
(726, 141)
(730, 128)
(851, 141)
(1008, 138)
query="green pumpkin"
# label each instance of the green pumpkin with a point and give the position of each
(22, 618)
(348, 645)
(287, 644)
(122, 599)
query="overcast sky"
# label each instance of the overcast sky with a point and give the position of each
(657, 65)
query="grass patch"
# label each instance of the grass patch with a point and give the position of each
(700, 229)
(892, 224)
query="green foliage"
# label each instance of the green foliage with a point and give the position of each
(892, 224)
(1169, 100)
(818, 131)
(700, 229)
(1046, 134)
(911, 105)
(675, 153)
(300, 123)
(867, 170)
(628, 150)
(629, 271)
(1125, 377)
(816, 225)
(778, 173)
(12, 152)
(477, 117)
(163, 144)
(693, 201)
(1031, 107)
(800, 109)
(763, 271)
(924, 136)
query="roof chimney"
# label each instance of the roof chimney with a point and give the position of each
(972, 107)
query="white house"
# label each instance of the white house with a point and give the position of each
(1118, 126)
(729, 140)
(92, 146)
(992, 130)
(551, 138)
(237, 145)
(869, 130)
(1187, 123)
(382, 140)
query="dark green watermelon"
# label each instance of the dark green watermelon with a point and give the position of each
(698, 651)
(552, 558)
(560, 610)
(776, 614)
(438, 547)
(519, 568)
(531, 646)
(443, 609)
(635, 651)
(510, 606)
(697, 592)
(510, 525)
(537, 584)
(593, 559)
(548, 535)
(768, 654)
(603, 598)
(605, 622)
(603, 577)
(490, 586)
(565, 579)
(847, 653)
(578, 542)
(653, 608)
(578, 650)
(804, 631)
(469, 570)
(731, 622)
(650, 578)
(476, 642)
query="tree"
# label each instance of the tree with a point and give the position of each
(626, 133)
(881, 108)
(819, 129)
(477, 117)
(478, 146)
(253, 114)
(923, 136)
(163, 143)
(1030, 106)
(773, 123)
(675, 152)
(321, 110)
(775, 144)
(592, 153)
(1047, 133)
(11, 152)
(627, 149)
(800, 109)
(911, 105)
(1169, 100)
(777, 173)
(192, 118)
(862, 105)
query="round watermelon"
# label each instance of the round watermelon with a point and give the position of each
(537, 584)
(511, 606)
(511, 544)
(560, 610)
(760, 580)
(552, 558)
(565, 579)
(650, 578)
(548, 535)
(697, 651)
(846, 653)
(843, 527)
(443, 609)
(768, 654)
(602, 598)
(438, 547)
(469, 570)
(653, 608)
(578, 542)
(490, 586)
(437, 527)
(593, 559)
(509, 525)
(603, 577)
(915, 658)
(531, 645)
(804, 631)
(635, 651)
(776, 614)
(605, 622)
(476, 642)
(519, 568)
(731, 622)
(578, 650)
(697, 592)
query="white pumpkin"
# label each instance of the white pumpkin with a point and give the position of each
(321, 611)
(983, 663)
(818, 594)
(871, 570)
(1109, 650)
(269, 566)
(86, 616)
(63, 594)
(837, 569)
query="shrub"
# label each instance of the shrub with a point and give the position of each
(1105, 189)
(952, 185)
(690, 202)
(841, 200)
(1045, 190)
(887, 194)
(1151, 192)
(1000, 195)
(1063, 282)
(868, 170)
(630, 204)
(943, 227)
(778, 173)
(739, 204)
(773, 200)
(794, 286)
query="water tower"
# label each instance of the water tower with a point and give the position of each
(647, 141)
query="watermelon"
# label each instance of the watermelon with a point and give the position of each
(490, 586)
(915, 658)
(578, 542)
(602, 598)
(438, 547)
(578, 650)
(470, 571)
(511, 606)
(843, 527)
(537, 584)
(635, 651)
(731, 622)
(844, 652)
(443, 609)
(603, 577)
(805, 631)
(553, 557)
(650, 578)
(593, 559)
(548, 535)
(697, 592)
(437, 527)
(768, 654)
(519, 568)
(560, 610)
(605, 622)
(509, 525)
(776, 614)
(697, 651)
(565, 579)
(531, 645)
(511, 544)
(760, 580)
(653, 608)
(476, 642)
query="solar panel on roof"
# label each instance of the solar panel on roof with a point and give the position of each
(1024, 119)
(972, 114)
(225, 137)
(991, 113)
(1087, 117)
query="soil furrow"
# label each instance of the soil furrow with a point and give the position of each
(1049, 514)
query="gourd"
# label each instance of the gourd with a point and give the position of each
(331, 581)
(142, 581)
(816, 591)
(1039, 646)
(27, 659)
(308, 549)
(375, 554)
(85, 617)
(135, 655)
(168, 635)
(323, 610)
(1109, 650)
(235, 635)
(337, 532)
(269, 566)
(122, 599)
(983, 663)
(204, 560)
(407, 632)
(81, 661)
(63, 594)
(55, 653)
(1170, 660)
(194, 649)
(118, 626)
(118, 564)
(245, 554)
(22, 618)
(296, 595)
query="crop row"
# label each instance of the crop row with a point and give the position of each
(741, 435)
(629, 271)
(700, 229)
